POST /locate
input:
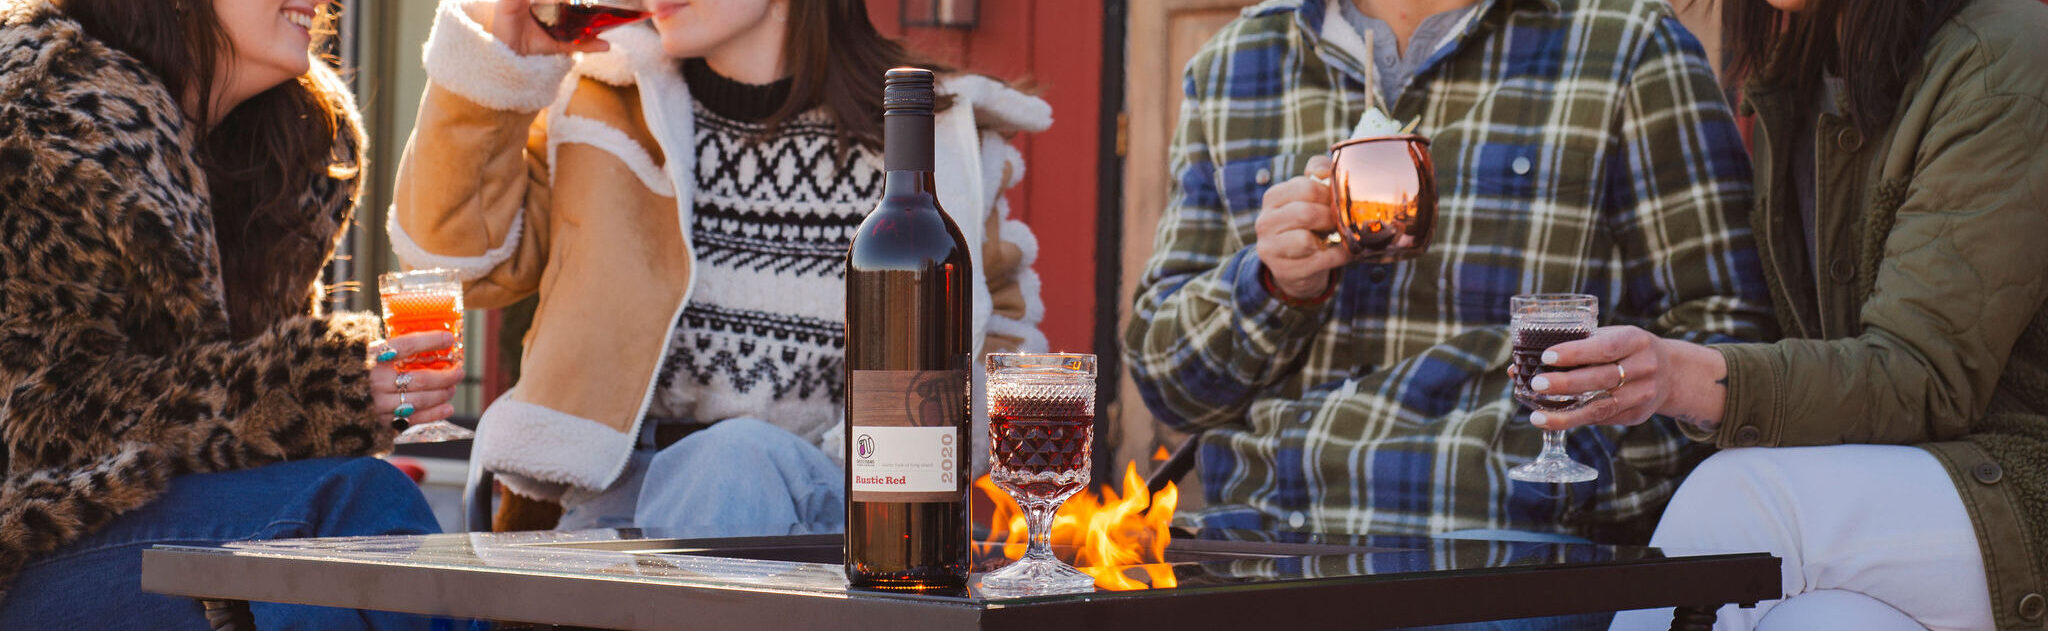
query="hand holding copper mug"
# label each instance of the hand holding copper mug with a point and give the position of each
(1293, 217)
(1383, 195)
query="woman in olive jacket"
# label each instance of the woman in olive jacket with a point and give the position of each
(1903, 210)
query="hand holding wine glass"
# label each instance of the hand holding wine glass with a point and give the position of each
(1675, 378)
(513, 23)
(429, 390)
(415, 302)
(1538, 322)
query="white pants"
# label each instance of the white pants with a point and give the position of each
(1872, 537)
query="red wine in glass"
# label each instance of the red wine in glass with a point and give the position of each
(1043, 456)
(1530, 341)
(580, 21)
(1537, 322)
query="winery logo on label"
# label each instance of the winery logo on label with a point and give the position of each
(864, 446)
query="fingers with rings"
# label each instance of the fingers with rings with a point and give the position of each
(387, 379)
(424, 397)
(1613, 405)
(383, 352)
(1589, 379)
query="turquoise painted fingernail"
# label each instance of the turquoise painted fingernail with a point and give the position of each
(1539, 384)
(404, 410)
(1538, 419)
(1550, 357)
(387, 356)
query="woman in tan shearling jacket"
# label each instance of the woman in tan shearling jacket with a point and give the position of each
(680, 196)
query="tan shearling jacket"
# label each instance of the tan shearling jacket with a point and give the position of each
(573, 178)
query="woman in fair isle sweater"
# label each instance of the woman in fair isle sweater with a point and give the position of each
(681, 196)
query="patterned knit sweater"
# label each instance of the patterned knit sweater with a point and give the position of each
(763, 334)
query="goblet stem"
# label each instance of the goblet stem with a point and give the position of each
(1553, 445)
(1038, 520)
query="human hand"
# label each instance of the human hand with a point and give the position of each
(1641, 374)
(427, 391)
(512, 23)
(1293, 218)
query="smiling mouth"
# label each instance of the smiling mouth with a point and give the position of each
(302, 20)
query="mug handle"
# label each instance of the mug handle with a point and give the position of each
(1331, 239)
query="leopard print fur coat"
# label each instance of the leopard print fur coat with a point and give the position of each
(117, 366)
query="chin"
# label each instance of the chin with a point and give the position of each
(677, 42)
(289, 73)
(676, 49)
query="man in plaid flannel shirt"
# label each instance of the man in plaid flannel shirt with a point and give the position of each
(1580, 146)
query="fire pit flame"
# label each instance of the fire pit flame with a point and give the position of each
(1112, 535)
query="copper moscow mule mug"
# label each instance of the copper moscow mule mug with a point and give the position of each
(1383, 191)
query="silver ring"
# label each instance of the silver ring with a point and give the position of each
(402, 382)
(1618, 383)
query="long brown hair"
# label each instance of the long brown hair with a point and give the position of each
(838, 60)
(1874, 45)
(260, 159)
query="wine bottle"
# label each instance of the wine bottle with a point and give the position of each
(907, 351)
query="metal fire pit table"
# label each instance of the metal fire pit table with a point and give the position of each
(1233, 580)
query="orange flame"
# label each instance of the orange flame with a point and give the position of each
(1160, 455)
(1112, 535)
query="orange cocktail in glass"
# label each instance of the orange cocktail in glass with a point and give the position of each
(426, 300)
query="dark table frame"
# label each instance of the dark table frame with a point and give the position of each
(1697, 585)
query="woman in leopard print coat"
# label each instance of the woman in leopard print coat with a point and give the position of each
(172, 182)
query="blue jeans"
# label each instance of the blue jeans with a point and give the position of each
(739, 477)
(95, 582)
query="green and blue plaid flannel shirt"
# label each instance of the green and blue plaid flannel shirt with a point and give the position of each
(1580, 146)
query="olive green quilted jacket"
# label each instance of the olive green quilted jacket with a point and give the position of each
(1920, 319)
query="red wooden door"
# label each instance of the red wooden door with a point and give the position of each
(1055, 47)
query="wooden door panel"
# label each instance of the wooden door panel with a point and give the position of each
(1163, 35)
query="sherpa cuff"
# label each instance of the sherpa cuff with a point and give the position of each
(466, 59)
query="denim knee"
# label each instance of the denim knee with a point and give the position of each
(741, 477)
(353, 496)
(739, 438)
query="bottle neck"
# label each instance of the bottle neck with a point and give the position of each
(906, 143)
(902, 182)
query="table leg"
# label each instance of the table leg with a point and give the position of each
(229, 615)
(1694, 618)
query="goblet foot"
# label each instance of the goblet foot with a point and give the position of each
(1553, 470)
(1036, 577)
(435, 432)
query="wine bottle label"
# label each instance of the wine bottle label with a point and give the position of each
(905, 429)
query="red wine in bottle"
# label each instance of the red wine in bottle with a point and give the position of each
(907, 350)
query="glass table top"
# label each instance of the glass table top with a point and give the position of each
(810, 563)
